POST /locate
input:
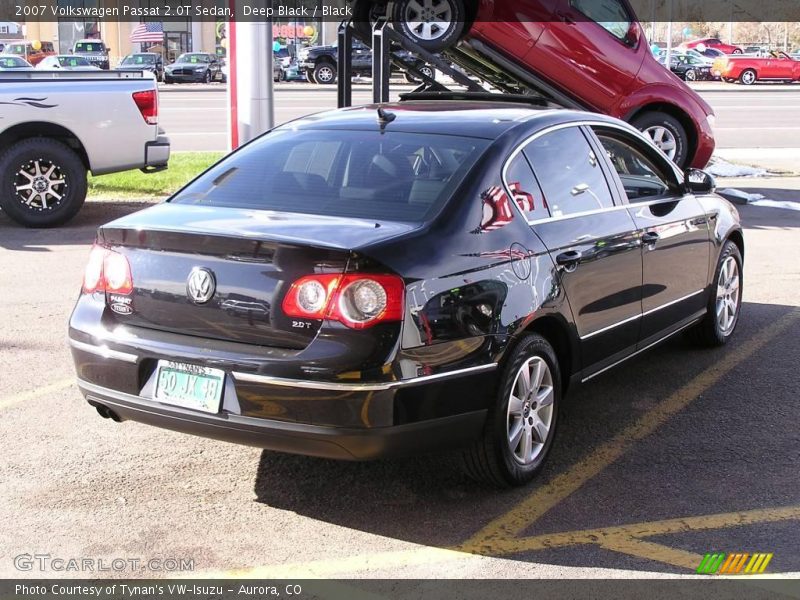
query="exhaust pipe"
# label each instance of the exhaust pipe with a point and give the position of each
(106, 412)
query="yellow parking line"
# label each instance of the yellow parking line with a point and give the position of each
(612, 535)
(522, 516)
(36, 393)
(651, 551)
(626, 539)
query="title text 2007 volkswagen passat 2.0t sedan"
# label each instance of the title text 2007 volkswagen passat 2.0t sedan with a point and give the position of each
(401, 278)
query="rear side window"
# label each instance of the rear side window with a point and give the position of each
(569, 172)
(611, 15)
(363, 174)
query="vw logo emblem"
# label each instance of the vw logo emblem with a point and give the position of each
(201, 285)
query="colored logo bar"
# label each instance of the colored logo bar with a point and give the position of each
(740, 563)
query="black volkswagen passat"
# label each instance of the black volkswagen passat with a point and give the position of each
(427, 274)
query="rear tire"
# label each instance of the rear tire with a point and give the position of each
(725, 301)
(667, 133)
(42, 182)
(310, 77)
(521, 425)
(437, 24)
(325, 73)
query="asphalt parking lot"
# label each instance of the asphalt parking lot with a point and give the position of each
(678, 453)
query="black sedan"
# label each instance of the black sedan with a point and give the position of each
(194, 67)
(689, 67)
(143, 61)
(402, 278)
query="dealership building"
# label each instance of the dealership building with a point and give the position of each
(177, 35)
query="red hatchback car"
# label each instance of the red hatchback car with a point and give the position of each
(591, 54)
(712, 43)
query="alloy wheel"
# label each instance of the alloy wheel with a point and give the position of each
(530, 410)
(664, 139)
(324, 74)
(429, 20)
(748, 77)
(40, 184)
(728, 295)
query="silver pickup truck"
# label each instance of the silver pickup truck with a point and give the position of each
(56, 127)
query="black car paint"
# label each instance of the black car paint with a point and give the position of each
(404, 387)
(361, 58)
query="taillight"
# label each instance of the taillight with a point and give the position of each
(93, 275)
(107, 271)
(357, 301)
(147, 103)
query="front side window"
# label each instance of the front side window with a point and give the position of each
(360, 174)
(611, 15)
(641, 178)
(569, 172)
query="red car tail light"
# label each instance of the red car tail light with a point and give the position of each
(357, 301)
(107, 271)
(93, 275)
(147, 103)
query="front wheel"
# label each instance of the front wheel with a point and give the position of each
(725, 301)
(207, 77)
(691, 75)
(325, 73)
(310, 77)
(667, 133)
(521, 425)
(737, 51)
(433, 24)
(42, 182)
(748, 77)
(425, 70)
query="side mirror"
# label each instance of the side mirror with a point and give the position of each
(632, 37)
(699, 182)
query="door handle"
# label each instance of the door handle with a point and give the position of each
(649, 237)
(569, 259)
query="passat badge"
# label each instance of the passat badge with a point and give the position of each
(201, 285)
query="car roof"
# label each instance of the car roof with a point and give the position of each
(468, 118)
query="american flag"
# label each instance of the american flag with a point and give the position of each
(148, 32)
(497, 211)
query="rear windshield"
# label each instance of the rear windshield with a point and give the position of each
(365, 174)
(12, 62)
(89, 47)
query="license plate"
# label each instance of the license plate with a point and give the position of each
(190, 386)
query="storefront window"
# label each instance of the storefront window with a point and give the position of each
(70, 32)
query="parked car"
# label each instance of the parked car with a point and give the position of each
(404, 278)
(10, 62)
(143, 61)
(56, 126)
(318, 63)
(94, 51)
(714, 43)
(778, 66)
(709, 54)
(26, 50)
(197, 67)
(688, 67)
(66, 62)
(581, 53)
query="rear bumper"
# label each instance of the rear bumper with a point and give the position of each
(296, 438)
(156, 154)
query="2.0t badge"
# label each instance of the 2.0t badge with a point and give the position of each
(201, 285)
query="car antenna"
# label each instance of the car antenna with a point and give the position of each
(384, 118)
